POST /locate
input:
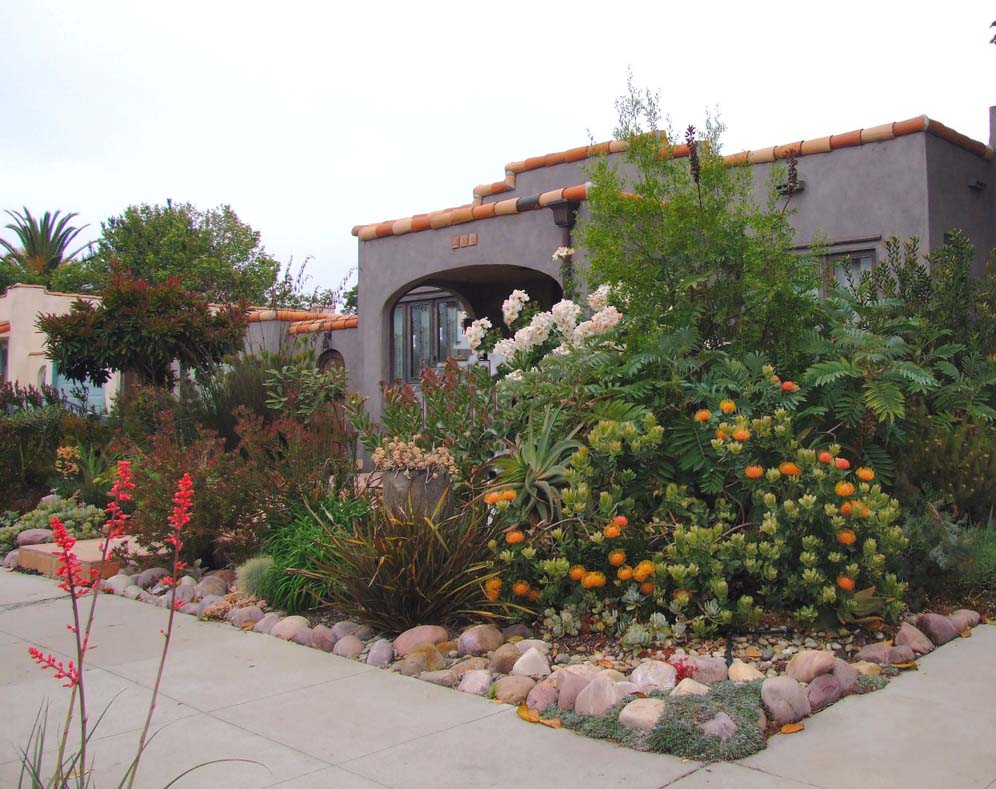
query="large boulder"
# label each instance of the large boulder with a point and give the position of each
(544, 694)
(597, 696)
(654, 676)
(914, 638)
(211, 585)
(884, 654)
(10, 560)
(641, 714)
(479, 640)
(707, 670)
(571, 680)
(267, 623)
(416, 636)
(513, 690)
(477, 682)
(117, 583)
(209, 601)
(245, 617)
(34, 537)
(149, 578)
(845, 674)
(381, 653)
(939, 629)
(504, 658)
(809, 664)
(303, 636)
(785, 700)
(424, 657)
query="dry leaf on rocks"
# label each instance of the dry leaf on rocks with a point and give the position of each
(966, 633)
(792, 728)
(905, 666)
(553, 723)
(605, 663)
(532, 716)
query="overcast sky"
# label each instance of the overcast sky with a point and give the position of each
(308, 117)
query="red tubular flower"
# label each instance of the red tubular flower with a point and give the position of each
(120, 492)
(66, 671)
(70, 569)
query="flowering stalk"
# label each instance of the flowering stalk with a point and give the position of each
(182, 502)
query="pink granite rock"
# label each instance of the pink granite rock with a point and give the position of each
(421, 634)
(911, 636)
(808, 664)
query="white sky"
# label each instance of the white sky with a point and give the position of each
(311, 117)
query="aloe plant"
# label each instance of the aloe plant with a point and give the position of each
(535, 467)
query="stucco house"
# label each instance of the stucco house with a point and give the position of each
(914, 177)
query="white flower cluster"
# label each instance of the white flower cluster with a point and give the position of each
(476, 331)
(599, 323)
(563, 252)
(565, 316)
(512, 306)
(599, 298)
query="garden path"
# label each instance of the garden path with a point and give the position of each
(315, 720)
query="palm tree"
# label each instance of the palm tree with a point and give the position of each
(43, 244)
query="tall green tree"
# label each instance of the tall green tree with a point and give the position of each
(212, 252)
(142, 328)
(42, 246)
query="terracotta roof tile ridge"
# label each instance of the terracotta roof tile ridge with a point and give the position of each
(481, 210)
(329, 323)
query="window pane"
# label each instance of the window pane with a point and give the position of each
(420, 315)
(450, 335)
(847, 269)
(398, 345)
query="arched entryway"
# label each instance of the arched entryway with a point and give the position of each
(424, 316)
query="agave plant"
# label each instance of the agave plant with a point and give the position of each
(535, 467)
(43, 245)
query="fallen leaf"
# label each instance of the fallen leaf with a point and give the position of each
(553, 723)
(966, 633)
(605, 663)
(792, 728)
(640, 695)
(910, 664)
(532, 716)
(248, 625)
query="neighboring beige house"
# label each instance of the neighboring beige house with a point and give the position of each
(22, 345)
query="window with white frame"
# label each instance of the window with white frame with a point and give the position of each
(425, 331)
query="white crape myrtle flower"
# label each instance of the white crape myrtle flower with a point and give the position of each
(541, 325)
(515, 376)
(599, 298)
(512, 306)
(563, 252)
(565, 316)
(476, 331)
(506, 349)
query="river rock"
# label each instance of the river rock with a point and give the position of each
(151, 577)
(303, 636)
(720, 725)
(206, 602)
(939, 629)
(689, 687)
(322, 638)
(421, 634)
(10, 560)
(517, 630)
(823, 691)
(744, 672)
(424, 657)
(571, 680)
(597, 696)
(874, 653)
(211, 585)
(34, 537)
(118, 583)
(284, 629)
(348, 647)
(266, 624)
(707, 670)
(845, 674)
(477, 682)
(479, 640)
(544, 694)
(344, 628)
(963, 619)
(654, 676)
(808, 664)
(532, 643)
(911, 636)
(504, 658)
(446, 679)
(244, 617)
(469, 664)
(901, 654)
(533, 663)
(513, 689)
(641, 714)
(785, 700)
(189, 608)
(381, 653)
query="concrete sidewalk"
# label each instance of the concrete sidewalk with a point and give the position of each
(311, 719)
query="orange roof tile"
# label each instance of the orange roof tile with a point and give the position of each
(481, 210)
(4, 327)
(261, 315)
(328, 323)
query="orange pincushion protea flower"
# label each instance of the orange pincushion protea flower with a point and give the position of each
(825, 457)
(754, 472)
(577, 572)
(492, 589)
(643, 570)
(514, 537)
(533, 595)
(788, 386)
(845, 508)
(842, 463)
(727, 406)
(593, 580)
(703, 415)
(647, 587)
(721, 434)
(507, 495)
(865, 474)
(491, 497)
(789, 469)
(617, 558)
(844, 489)
(611, 531)
(520, 588)
(741, 434)
(845, 582)
(620, 521)
(846, 537)
(625, 573)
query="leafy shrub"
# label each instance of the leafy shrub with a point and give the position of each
(394, 574)
(981, 576)
(300, 576)
(250, 574)
(940, 549)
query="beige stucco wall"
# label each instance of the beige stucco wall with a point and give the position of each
(26, 363)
